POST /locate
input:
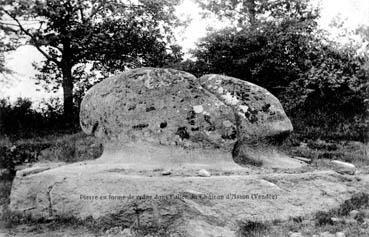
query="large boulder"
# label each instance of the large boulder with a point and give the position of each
(166, 107)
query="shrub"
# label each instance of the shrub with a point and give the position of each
(22, 119)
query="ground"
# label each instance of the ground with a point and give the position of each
(351, 218)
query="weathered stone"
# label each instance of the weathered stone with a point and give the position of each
(340, 234)
(296, 234)
(38, 168)
(196, 228)
(327, 234)
(204, 173)
(258, 113)
(337, 220)
(166, 107)
(158, 106)
(103, 190)
(343, 167)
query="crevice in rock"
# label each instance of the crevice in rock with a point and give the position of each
(274, 183)
(236, 117)
(94, 128)
(49, 189)
(49, 197)
(34, 171)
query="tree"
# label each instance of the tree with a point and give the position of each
(250, 13)
(271, 55)
(109, 33)
(286, 53)
(268, 48)
(7, 43)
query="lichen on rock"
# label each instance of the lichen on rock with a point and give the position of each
(174, 108)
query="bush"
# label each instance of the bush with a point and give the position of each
(72, 148)
(323, 86)
(21, 119)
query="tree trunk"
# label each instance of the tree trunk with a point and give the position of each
(251, 8)
(68, 94)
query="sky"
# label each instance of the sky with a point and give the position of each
(21, 84)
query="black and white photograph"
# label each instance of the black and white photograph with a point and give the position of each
(184, 118)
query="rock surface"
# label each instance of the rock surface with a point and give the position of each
(173, 108)
(204, 173)
(218, 202)
(343, 167)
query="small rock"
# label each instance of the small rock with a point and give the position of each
(306, 160)
(327, 234)
(343, 167)
(296, 234)
(198, 109)
(354, 213)
(127, 233)
(340, 234)
(336, 220)
(166, 172)
(204, 173)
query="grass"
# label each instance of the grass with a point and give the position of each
(253, 229)
(62, 148)
(358, 201)
(321, 222)
(353, 152)
(110, 224)
(73, 148)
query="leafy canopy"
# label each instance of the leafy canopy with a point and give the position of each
(320, 82)
(103, 35)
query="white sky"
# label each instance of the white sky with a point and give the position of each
(355, 12)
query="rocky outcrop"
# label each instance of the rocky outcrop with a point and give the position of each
(182, 202)
(166, 107)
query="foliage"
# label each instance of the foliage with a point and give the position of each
(290, 57)
(20, 119)
(8, 42)
(357, 201)
(10, 157)
(109, 35)
(252, 13)
(71, 148)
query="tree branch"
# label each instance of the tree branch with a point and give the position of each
(25, 31)
(82, 15)
(97, 9)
